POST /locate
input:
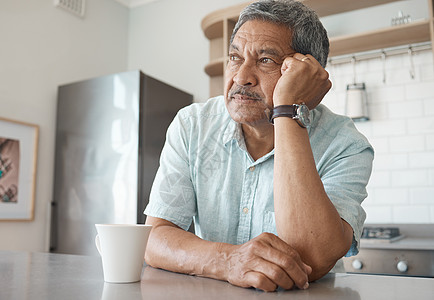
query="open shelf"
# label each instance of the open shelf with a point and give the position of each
(411, 33)
(215, 67)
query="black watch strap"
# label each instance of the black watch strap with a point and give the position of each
(289, 111)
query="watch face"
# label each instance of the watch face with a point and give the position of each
(303, 115)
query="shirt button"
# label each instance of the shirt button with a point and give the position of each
(252, 168)
(245, 210)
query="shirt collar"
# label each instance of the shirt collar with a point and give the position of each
(234, 132)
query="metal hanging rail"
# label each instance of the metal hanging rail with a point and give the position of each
(381, 53)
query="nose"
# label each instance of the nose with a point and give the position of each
(245, 75)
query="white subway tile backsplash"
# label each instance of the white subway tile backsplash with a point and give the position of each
(403, 110)
(364, 127)
(391, 196)
(384, 93)
(342, 69)
(400, 76)
(389, 128)
(378, 111)
(422, 160)
(411, 214)
(426, 73)
(381, 145)
(380, 179)
(432, 214)
(429, 141)
(421, 125)
(422, 196)
(362, 68)
(335, 101)
(419, 90)
(372, 80)
(421, 58)
(401, 130)
(431, 177)
(407, 143)
(409, 178)
(428, 107)
(378, 214)
(387, 161)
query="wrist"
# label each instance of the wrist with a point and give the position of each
(284, 100)
(219, 266)
(297, 112)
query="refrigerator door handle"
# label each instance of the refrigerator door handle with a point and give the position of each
(53, 229)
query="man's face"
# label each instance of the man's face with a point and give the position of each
(255, 58)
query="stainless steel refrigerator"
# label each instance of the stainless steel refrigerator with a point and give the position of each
(109, 134)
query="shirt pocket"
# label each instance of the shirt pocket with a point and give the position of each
(269, 222)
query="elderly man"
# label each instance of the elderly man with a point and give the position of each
(272, 179)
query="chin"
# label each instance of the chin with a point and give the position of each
(249, 119)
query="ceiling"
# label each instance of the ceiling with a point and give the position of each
(134, 3)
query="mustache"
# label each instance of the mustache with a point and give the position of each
(245, 91)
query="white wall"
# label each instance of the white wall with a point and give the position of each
(167, 42)
(41, 47)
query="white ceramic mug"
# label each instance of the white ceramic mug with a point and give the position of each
(122, 249)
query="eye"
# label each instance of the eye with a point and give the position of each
(233, 57)
(266, 60)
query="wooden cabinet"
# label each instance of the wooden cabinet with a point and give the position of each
(218, 27)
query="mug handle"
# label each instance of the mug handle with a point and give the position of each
(97, 244)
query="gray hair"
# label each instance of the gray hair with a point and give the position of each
(308, 34)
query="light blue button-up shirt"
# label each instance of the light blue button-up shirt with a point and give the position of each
(207, 175)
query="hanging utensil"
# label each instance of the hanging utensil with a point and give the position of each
(383, 59)
(410, 55)
(353, 62)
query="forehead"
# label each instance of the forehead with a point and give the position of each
(261, 33)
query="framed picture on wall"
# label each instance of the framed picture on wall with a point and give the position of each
(18, 159)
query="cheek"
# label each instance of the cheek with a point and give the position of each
(228, 81)
(269, 83)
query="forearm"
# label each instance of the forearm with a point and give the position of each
(171, 248)
(305, 217)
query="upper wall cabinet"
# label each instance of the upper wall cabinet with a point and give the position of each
(218, 27)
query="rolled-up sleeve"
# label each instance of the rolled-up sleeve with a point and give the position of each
(172, 195)
(344, 160)
(345, 182)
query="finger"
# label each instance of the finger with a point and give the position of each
(260, 281)
(296, 59)
(274, 273)
(307, 58)
(294, 267)
(287, 258)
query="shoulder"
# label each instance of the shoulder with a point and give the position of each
(200, 121)
(212, 108)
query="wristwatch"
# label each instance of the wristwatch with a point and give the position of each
(298, 112)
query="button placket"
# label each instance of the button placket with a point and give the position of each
(247, 198)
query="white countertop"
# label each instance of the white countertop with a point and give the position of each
(59, 276)
(407, 243)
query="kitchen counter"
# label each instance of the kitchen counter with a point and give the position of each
(410, 243)
(59, 276)
(415, 237)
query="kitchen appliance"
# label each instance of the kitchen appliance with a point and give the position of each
(109, 134)
(404, 250)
